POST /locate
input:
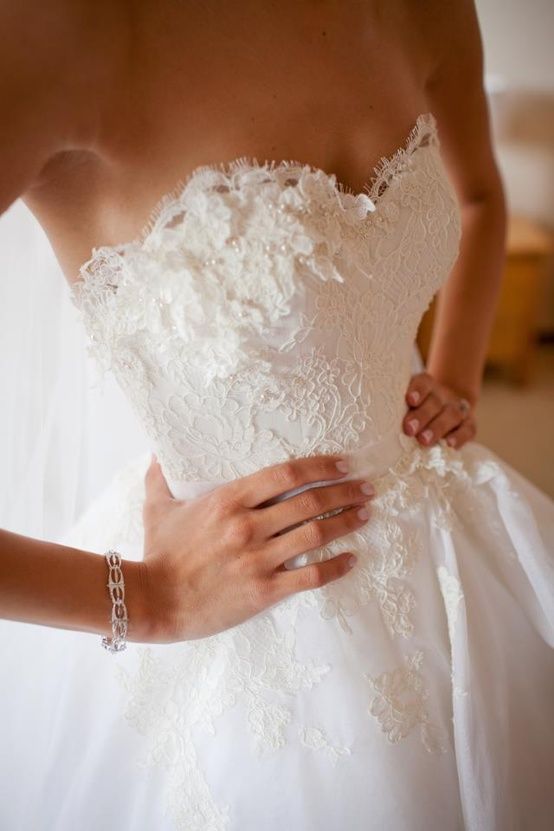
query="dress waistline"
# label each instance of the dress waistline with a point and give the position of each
(370, 460)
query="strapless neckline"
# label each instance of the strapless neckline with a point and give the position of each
(380, 175)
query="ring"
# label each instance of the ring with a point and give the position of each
(327, 514)
(464, 406)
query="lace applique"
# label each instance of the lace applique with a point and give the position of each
(386, 553)
(399, 705)
(265, 288)
(168, 700)
(453, 596)
(156, 713)
(315, 738)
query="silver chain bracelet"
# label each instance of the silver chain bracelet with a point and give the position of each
(116, 586)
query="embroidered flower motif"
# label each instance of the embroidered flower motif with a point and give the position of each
(315, 738)
(399, 705)
(453, 596)
(168, 700)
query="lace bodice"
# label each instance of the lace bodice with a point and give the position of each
(267, 311)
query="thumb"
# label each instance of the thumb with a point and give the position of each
(155, 485)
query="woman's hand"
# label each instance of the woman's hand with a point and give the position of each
(217, 560)
(436, 411)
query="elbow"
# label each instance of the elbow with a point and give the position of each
(488, 194)
(487, 205)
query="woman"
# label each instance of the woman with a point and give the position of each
(261, 318)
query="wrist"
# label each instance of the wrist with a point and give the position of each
(141, 626)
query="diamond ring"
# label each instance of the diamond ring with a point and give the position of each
(464, 406)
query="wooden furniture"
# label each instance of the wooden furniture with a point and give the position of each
(513, 336)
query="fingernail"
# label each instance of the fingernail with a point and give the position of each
(414, 397)
(363, 513)
(154, 458)
(427, 435)
(367, 487)
(451, 441)
(413, 424)
(342, 466)
(352, 560)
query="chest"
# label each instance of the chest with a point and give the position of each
(338, 88)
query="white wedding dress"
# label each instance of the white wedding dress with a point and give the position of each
(268, 312)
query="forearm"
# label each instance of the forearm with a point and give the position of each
(56, 585)
(467, 302)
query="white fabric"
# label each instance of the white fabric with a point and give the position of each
(63, 431)
(267, 313)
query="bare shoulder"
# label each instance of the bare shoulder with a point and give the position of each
(55, 64)
(445, 25)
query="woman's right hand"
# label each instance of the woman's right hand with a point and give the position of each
(212, 562)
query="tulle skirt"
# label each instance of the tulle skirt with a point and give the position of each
(415, 693)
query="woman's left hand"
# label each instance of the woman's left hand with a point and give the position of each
(436, 411)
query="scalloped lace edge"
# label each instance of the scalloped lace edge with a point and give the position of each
(382, 174)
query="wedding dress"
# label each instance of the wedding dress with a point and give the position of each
(268, 312)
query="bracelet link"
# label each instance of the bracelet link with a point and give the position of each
(116, 587)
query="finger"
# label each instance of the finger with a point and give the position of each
(313, 576)
(310, 503)
(419, 388)
(448, 419)
(462, 434)
(313, 534)
(274, 480)
(417, 419)
(155, 485)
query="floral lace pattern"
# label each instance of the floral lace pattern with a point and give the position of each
(453, 596)
(316, 739)
(267, 312)
(253, 321)
(398, 704)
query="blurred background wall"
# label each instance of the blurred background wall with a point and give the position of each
(518, 38)
(517, 419)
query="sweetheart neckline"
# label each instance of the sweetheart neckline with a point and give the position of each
(228, 168)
